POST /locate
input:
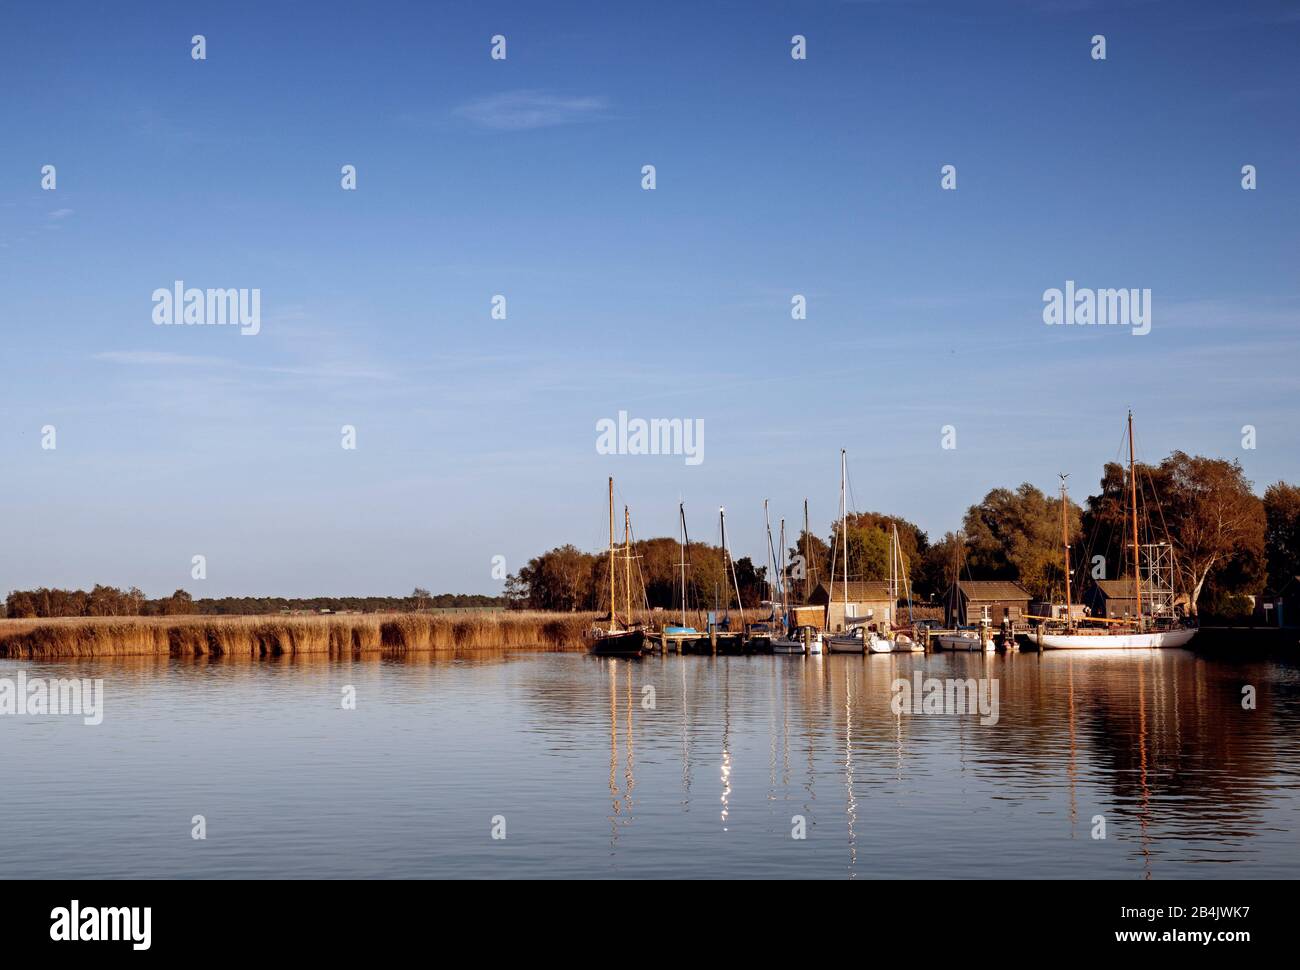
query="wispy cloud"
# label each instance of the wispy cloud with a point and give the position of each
(525, 110)
(151, 358)
(322, 371)
(60, 214)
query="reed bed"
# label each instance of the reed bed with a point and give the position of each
(272, 636)
(336, 634)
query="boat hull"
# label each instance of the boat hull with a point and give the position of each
(905, 644)
(797, 644)
(624, 643)
(843, 644)
(1113, 641)
(957, 642)
(880, 645)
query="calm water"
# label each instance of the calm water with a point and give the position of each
(591, 783)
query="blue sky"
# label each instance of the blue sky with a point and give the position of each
(522, 177)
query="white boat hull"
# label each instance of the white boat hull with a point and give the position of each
(905, 644)
(956, 641)
(1114, 641)
(898, 644)
(880, 645)
(843, 644)
(782, 645)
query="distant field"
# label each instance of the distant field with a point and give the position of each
(261, 636)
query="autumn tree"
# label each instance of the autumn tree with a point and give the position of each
(1213, 517)
(870, 541)
(1282, 533)
(811, 556)
(941, 565)
(1017, 536)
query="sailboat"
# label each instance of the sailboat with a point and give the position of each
(680, 633)
(800, 639)
(963, 639)
(727, 639)
(1140, 636)
(854, 637)
(895, 640)
(619, 637)
(759, 634)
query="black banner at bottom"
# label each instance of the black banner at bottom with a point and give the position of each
(170, 919)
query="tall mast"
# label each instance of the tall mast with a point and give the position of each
(726, 550)
(895, 567)
(771, 553)
(1133, 492)
(1065, 544)
(681, 513)
(627, 562)
(807, 561)
(844, 533)
(611, 552)
(781, 572)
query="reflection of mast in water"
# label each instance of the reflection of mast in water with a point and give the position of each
(620, 798)
(1144, 811)
(851, 802)
(771, 732)
(726, 745)
(898, 726)
(1072, 772)
(809, 736)
(616, 803)
(629, 779)
(785, 730)
(686, 738)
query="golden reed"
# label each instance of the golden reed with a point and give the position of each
(270, 636)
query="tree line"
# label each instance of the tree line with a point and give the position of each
(1227, 544)
(110, 601)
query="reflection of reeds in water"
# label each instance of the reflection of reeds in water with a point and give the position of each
(261, 636)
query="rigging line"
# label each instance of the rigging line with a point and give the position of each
(645, 597)
(690, 566)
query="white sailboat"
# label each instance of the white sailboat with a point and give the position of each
(1140, 638)
(960, 640)
(964, 639)
(802, 639)
(1100, 640)
(894, 641)
(853, 639)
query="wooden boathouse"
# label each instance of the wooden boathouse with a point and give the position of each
(867, 598)
(969, 601)
(1112, 598)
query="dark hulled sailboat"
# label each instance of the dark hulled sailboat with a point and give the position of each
(619, 637)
